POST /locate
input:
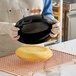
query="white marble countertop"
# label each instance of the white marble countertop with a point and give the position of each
(67, 47)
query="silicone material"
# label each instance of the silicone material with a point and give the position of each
(34, 29)
(34, 53)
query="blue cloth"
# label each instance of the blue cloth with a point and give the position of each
(47, 8)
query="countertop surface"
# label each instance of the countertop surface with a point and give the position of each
(65, 70)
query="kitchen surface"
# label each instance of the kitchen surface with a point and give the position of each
(63, 63)
(59, 57)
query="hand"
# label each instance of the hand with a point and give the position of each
(15, 35)
(55, 29)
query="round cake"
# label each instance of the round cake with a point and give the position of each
(34, 53)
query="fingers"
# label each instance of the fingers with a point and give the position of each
(52, 35)
(14, 33)
(55, 28)
(15, 29)
(16, 37)
(55, 31)
(57, 25)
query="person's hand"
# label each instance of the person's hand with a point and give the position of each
(55, 28)
(15, 35)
